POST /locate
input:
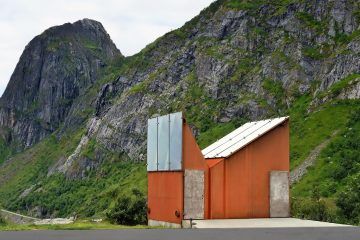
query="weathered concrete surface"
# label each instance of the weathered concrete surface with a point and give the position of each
(279, 194)
(186, 224)
(262, 223)
(54, 221)
(194, 194)
(154, 223)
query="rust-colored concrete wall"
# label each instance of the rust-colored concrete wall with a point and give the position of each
(192, 156)
(165, 196)
(217, 193)
(166, 188)
(193, 159)
(245, 176)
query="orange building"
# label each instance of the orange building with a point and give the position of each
(242, 175)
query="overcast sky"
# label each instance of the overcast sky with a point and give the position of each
(132, 24)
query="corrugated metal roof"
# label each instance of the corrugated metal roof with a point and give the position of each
(240, 137)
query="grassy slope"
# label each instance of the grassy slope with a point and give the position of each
(86, 197)
(27, 168)
(309, 130)
(32, 165)
(329, 191)
(335, 164)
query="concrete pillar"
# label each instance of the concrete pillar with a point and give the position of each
(279, 194)
(194, 194)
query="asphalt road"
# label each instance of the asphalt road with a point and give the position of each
(333, 233)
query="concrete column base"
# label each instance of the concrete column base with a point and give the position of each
(156, 223)
(188, 224)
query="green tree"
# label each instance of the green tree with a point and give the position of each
(129, 210)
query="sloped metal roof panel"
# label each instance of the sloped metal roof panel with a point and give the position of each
(240, 137)
(213, 147)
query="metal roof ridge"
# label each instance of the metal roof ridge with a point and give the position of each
(232, 137)
(245, 136)
(280, 119)
(259, 135)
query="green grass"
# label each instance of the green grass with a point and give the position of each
(336, 162)
(140, 87)
(309, 21)
(275, 89)
(32, 165)
(78, 225)
(87, 197)
(215, 51)
(93, 47)
(343, 38)
(279, 7)
(55, 43)
(5, 151)
(90, 196)
(333, 178)
(314, 53)
(309, 130)
(2, 222)
(90, 148)
(244, 66)
(179, 33)
(245, 4)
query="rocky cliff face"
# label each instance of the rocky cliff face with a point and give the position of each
(236, 60)
(55, 68)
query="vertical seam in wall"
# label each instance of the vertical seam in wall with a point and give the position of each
(209, 195)
(251, 184)
(169, 120)
(183, 196)
(157, 144)
(183, 170)
(224, 188)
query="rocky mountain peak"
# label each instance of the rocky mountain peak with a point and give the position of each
(55, 68)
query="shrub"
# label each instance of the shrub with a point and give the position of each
(129, 210)
(314, 208)
(311, 22)
(313, 52)
(244, 5)
(138, 88)
(2, 221)
(348, 201)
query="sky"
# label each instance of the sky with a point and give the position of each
(132, 24)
